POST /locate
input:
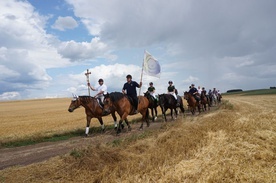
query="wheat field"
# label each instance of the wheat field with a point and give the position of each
(236, 143)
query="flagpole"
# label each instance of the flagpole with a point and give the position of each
(142, 73)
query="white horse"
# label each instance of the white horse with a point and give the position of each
(214, 99)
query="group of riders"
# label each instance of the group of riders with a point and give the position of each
(130, 86)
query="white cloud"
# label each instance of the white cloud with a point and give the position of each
(26, 50)
(79, 51)
(10, 96)
(63, 23)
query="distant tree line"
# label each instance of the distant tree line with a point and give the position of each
(234, 90)
(273, 87)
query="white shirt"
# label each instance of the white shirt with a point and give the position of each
(199, 91)
(103, 88)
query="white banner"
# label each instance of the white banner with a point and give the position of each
(151, 65)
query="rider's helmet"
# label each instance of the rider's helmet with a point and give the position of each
(101, 80)
(192, 84)
(170, 82)
(150, 83)
(129, 76)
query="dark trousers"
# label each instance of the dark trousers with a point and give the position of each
(135, 101)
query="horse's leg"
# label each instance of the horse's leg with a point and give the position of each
(152, 114)
(101, 122)
(164, 113)
(155, 110)
(124, 118)
(119, 126)
(114, 119)
(198, 107)
(176, 113)
(145, 116)
(88, 120)
(128, 125)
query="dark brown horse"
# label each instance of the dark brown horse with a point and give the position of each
(153, 104)
(192, 102)
(92, 110)
(122, 104)
(204, 101)
(167, 101)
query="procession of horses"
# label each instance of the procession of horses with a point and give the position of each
(117, 102)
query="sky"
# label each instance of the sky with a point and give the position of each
(47, 46)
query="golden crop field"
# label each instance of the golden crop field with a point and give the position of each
(236, 143)
(45, 117)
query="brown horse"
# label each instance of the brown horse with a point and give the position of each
(204, 101)
(192, 102)
(122, 104)
(92, 110)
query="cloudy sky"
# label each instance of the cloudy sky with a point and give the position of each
(46, 46)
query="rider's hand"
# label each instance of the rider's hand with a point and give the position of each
(88, 84)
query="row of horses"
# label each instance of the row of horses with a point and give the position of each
(117, 102)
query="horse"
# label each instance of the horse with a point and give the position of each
(204, 101)
(123, 105)
(192, 102)
(219, 98)
(153, 104)
(214, 99)
(92, 110)
(167, 101)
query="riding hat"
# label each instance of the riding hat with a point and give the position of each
(170, 82)
(192, 84)
(129, 76)
(151, 83)
(100, 80)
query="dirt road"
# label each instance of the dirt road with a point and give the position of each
(39, 152)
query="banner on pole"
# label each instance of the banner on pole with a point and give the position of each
(151, 65)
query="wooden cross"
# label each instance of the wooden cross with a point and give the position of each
(87, 79)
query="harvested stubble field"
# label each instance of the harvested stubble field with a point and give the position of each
(236, 143)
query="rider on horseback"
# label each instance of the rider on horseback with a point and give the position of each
(193, 91)
(102, 90)
(130, 90)
(151, 90)
(172, 91)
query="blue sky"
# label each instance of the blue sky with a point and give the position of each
(46, 46)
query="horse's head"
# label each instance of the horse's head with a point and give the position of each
(107, 104)
(147, 94)
(186, 95)
(75, 103)
(162, 99)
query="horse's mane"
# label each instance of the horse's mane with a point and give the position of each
(115, 96)
(86, 99)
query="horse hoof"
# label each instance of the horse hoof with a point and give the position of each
(115, 128)
(122, 126)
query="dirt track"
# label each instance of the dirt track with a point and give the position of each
(39, 152)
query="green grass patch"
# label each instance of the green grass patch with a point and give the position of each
(54, 138)
(254, 92)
